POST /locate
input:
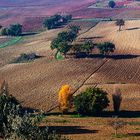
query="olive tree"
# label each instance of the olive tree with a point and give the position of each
(106, 48)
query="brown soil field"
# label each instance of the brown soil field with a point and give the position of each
(33, 79)
(36, 83)
(93, 128)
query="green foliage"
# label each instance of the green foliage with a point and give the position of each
(11, 42)
(106, 48)
(112, 4)
(13, 30)
(26, 58)
(4, 31)
(87, 46)
(55, 21)
(120, 23)
(64, 40)
(91, 101)
(16, 125)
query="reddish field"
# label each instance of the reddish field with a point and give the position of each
(31, 14)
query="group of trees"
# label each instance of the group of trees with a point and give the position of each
(90, 102)
(56, 20)
(13, 30)
(64, 43)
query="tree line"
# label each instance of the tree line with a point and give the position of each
(64, 43)
(56, 21)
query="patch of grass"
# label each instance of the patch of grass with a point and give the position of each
(11, 42)
(133, 123)
(58, 56)
(78, 116)
(120, 136)
(58, 121)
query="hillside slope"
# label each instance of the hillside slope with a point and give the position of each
(37, 83)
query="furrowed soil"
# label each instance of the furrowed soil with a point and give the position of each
(36, 83)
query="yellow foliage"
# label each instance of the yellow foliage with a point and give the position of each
(65, 98)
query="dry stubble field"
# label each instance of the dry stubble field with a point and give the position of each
(36, 84)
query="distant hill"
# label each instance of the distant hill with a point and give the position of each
(32, 12)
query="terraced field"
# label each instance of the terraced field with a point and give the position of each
(37, 83)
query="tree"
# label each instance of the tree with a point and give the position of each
(62, 43)
(15, 30)
(55, 21)
(117, 99)
(64, 47)
(90, 102)
(111, 4)
(65, 98)
(106, 48)
(120, 23)
(4, 31)
(87, 46)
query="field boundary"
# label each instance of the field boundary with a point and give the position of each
(11, 42)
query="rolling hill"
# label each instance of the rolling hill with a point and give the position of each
(29, 12)
(36, 84)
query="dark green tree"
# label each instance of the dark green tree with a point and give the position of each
(106, 48)
(112, 4)
(15, 30)
(120, 23)
(91, 102)
(87, 46)
(4, 31)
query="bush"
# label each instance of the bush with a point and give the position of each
(13, 30)
(111, 4)
(4, 31)
(117, 99)
(106, 48)
(26, 58)
(91, 101)
(56, 20)
(65, 98)
(14, 125)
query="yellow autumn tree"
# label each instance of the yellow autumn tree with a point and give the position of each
(65, 98)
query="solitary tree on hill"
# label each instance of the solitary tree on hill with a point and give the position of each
(111, 4)
(120, 23)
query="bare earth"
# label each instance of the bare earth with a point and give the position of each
(36, 84)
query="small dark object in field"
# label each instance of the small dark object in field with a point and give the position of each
(26, 58)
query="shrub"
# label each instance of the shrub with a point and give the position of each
(13, 30)
(26, 58)
(4, 31)
(116, 124)
(91, 101)
(106, 48)
(111, 4)
(117, 99)
(16, 125)
(65, 98)
(56, 20)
